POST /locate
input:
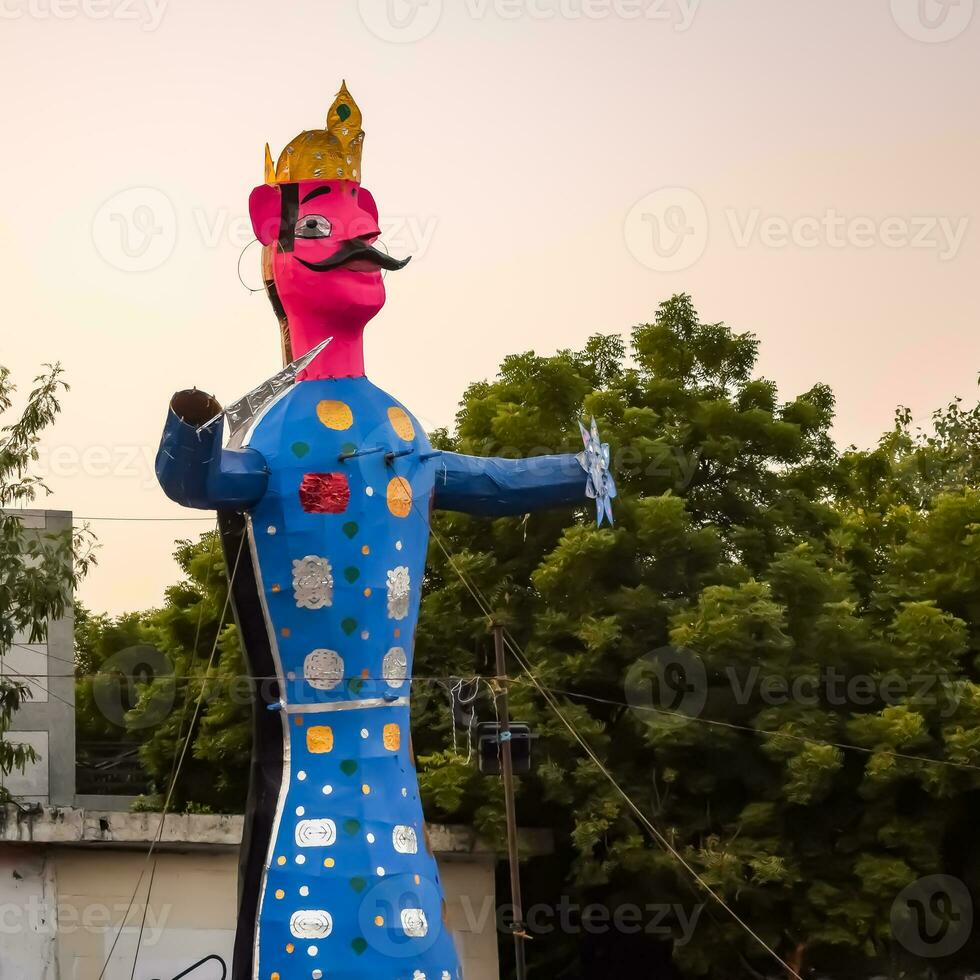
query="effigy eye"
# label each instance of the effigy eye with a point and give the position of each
(313, 226)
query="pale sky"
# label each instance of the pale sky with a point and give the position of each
(806, 169)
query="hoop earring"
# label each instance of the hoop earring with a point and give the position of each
(241, 255)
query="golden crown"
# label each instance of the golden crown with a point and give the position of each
(333, 153)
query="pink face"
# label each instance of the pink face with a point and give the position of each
(322, 263)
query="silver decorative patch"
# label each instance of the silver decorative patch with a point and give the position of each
(323, 669)
(405, 840)
(316, 833)
(312, 582)
(414, 923)
(394, 667)
(399, 588)
(311, 924)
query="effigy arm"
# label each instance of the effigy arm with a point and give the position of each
(496, 487)
(191, 464)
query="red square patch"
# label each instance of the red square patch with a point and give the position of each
(324, 493)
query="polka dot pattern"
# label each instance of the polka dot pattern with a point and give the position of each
(343, 534)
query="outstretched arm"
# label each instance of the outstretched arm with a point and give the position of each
(191, 464)
(494, 487)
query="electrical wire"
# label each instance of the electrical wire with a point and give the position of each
(765, 732)
(183, 754)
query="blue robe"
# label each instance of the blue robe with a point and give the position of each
(335, 480)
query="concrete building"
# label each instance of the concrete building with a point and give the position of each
(47, 721)
(75, 871)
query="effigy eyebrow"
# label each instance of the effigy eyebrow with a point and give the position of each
(316, 192)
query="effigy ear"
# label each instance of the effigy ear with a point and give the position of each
(264, 205)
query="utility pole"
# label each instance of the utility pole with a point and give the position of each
(507, 768)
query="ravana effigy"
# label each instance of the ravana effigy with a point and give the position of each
(323, 490)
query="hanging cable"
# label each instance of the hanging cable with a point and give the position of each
(657, 835)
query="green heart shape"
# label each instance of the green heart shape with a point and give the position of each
(358, 945)
(348, 767)
(343, 110)
(300, 449)
(348, 625)
(358, 884)
(352, 826)
(350, 528)
(352, 574)
(354, 685)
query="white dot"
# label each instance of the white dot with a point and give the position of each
(369, 491)
(317, 974)
(398, 545)
(327, 790)
(271, 529)
(300, 810)
(312, 950)
(301, 859)
(304, 891)
(404, 791)
(301, 775)
(364, 733)
(364, 634)
(370, 838)
(381, 872)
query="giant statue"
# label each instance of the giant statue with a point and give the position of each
(323, 485)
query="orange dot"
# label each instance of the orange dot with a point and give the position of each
(399, 496)
(280, 860)
(335, 415)
(365, 550)
(276, 587)
(365, 673)
(365, 789)
(284, 631)
(367, 592)
(418, 880)
(379, 920)
(289, 947)
(329, 862)
(275, 976)
(398, 632)
(280, 893)
(298, 721)
(401, 423)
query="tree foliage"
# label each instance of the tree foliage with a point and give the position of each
(819, 609)
(38, 570)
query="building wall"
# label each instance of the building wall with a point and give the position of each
(47, 721)
(61, 908)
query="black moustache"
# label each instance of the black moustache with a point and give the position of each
(355, 249)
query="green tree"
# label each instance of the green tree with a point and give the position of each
(38, 571)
